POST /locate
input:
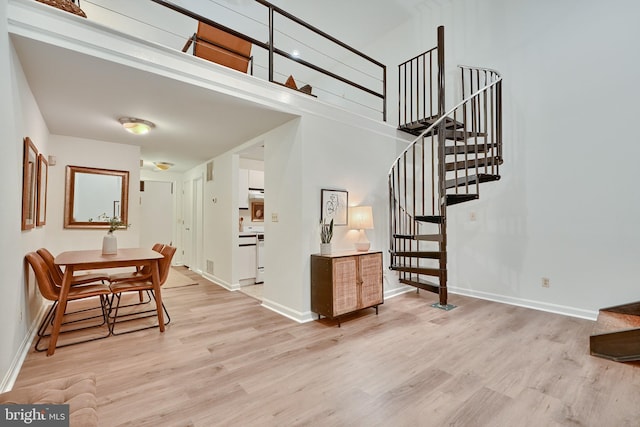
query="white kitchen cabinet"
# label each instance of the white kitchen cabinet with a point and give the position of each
(243, 189)
(256, 180)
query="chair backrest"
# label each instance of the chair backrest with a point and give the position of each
(222, 48)
(165, 262)
(56, 272)
(146, 270)
(47, 287)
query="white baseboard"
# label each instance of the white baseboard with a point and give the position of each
(297, 316)
(398, 291)
(10, 378)
(520, 302)
(228, 286)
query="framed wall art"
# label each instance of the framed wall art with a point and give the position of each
(257, 211)
(29, 184)
(43, 176)
(334, 205)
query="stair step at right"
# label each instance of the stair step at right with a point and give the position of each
(422, 284)
(419, 126)
(459, 135)
(454, 199)
(611, 322)
(418, 254)
(433, 219)
(470, 180)
(471, 164)
(417, 270)
(426, 237)
(468, 148)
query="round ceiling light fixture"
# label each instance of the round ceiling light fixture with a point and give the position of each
(136, 126)
(163, 166)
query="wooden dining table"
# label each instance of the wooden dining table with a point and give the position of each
(73, 261)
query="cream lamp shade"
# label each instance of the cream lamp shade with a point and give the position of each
(361, 218)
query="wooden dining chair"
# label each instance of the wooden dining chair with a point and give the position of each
(221, 47)
(120, 288)
(140, 274)
(57, 275)
(50, 291)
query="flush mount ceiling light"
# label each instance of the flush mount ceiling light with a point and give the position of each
(136, 126)
(163, 166)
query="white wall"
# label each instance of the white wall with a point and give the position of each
(221, 219)
(565, 208)
(301, 158)
(20, 300)
(95, 154)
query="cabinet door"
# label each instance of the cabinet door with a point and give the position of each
(371, 277)
(256, 179)
(247, 262)
(243, 189)
(345, 285)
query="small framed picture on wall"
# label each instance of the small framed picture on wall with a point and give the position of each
(257, 211)
(334, 205)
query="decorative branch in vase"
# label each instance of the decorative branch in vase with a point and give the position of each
(326, 234)
(114, 222)
(110, 242)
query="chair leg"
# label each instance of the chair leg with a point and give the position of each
(152, 312)
(104, 307)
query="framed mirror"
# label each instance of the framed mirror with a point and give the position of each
(29, 182)
(94, 196)
(43, 175)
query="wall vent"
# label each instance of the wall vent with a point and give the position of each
(210, 171)
(209, 266)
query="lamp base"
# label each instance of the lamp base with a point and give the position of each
(363, 246)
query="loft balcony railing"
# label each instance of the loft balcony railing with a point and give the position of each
(283, 45)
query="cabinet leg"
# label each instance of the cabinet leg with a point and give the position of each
(376, 310)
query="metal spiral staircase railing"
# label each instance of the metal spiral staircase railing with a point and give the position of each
(452, 155)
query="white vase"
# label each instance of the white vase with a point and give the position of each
(109, 244)
(325, 248)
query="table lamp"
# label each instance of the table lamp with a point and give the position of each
(361, 218)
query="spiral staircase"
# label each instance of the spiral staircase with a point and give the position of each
(453, 153)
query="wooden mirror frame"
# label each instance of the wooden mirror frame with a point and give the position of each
(69, 199)
(29, 184)
(43, 178)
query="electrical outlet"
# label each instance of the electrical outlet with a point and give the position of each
(472, 216)
(545, 282)
(274, 217)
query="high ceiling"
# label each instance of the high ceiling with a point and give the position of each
(83, 96)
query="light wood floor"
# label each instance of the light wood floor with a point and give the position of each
(226, 361)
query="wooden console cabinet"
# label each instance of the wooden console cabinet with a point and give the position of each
(345, 282)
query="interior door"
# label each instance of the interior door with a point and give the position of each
(187, 220)
(156, 210)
